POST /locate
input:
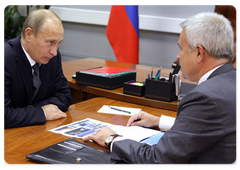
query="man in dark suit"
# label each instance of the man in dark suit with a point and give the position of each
(25, 103)
(204, 130)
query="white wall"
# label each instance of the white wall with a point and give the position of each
(85, 32)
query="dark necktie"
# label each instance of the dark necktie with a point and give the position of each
(36, 80)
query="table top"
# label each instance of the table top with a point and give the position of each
(70, 68)
(18, 142)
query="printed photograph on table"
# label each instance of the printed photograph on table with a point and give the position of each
(79, 129)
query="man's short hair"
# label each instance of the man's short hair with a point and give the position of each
(213, 32)
(36, 20)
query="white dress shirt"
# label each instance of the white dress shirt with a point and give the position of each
(31, 61)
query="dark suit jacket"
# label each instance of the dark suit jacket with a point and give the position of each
(204, 130)
(18, 87)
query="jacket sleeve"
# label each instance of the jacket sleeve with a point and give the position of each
(16, 116)
(197, 128)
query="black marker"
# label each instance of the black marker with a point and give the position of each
(176, 70)
(170, 77)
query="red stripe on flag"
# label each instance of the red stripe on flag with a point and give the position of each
(122, 36)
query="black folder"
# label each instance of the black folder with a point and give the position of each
(106, 82)
(70, 151)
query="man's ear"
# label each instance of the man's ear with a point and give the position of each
(28, 34)
(200, 53)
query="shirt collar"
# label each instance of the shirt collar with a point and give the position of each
(31, 61)
(205, 76)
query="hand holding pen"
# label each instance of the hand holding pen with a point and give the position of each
(144, 119)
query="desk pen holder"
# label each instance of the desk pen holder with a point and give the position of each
(160, 90)
(133, 88)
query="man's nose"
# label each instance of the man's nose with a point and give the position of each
(178, 56)
(53, 51)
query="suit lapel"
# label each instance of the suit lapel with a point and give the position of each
(26, 76)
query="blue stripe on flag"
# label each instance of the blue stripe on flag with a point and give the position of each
(132, 12)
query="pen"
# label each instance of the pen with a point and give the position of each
(152, 73)
(160, 69)
(157, 75)
(120, 110)
(170, 77)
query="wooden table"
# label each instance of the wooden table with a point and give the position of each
(81, 92)
(18, 142)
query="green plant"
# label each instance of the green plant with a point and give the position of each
(13, 21)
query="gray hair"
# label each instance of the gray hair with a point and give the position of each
(213, 32)
(36, 20)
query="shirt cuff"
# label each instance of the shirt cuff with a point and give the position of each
(166, 122)
(119, 138)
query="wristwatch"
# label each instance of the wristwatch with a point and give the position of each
(110, 138)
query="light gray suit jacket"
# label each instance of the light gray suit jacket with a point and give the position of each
(204, 130)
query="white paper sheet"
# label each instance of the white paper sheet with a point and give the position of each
(136, 133)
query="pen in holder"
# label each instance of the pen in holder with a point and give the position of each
(177, 81)
(162, 88)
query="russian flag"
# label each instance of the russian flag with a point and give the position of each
(123, 32)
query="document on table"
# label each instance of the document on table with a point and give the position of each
(83, 128)
(127, 111)
(136, 133)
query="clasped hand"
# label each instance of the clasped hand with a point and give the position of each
(52, 112)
